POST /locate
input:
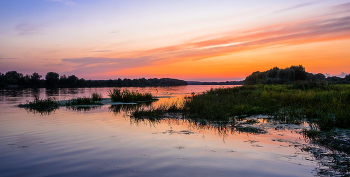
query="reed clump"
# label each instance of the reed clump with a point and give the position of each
(127, 96)
(41, 105)
(96, 96)
(82, 101)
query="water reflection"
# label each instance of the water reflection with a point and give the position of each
(41, 112)
(127, 108)
(35, 92)
(83, 108)
(68, 142)
(12, 92)
(52, 92)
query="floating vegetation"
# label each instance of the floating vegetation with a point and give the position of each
(127, 96)
(332, 149)
(43, 106)
(83, 108)
(336, 139)
(82, 101)
(251, 121)
(250, 129)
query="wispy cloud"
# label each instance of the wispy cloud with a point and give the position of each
(8, 58)
(101, 51)
(342, 7)
(91, 65)
(28, 28)
(66, 2)
(286, 34)
(294, 7)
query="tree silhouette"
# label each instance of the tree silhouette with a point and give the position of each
(51, 79)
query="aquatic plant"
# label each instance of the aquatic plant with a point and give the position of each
(333, 147)
(326, 105)
(41, 105)
(127, 107)
(127, 96)
(83, 108)
(250, 129)
(81, 101)
(96, 96)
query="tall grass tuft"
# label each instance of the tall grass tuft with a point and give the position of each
(81, 101)
(96, 96)
(127, 96)
(48, 104)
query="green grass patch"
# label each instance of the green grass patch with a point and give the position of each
(127, 96)
(329, 105)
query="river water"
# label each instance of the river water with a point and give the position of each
(102, 142)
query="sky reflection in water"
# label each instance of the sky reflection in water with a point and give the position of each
(105, 142)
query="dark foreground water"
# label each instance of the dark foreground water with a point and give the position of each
(102, 142)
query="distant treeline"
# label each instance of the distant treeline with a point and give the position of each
(54, 80)
(291, 75)
(216, 83)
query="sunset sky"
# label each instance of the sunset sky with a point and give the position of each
(202, 40)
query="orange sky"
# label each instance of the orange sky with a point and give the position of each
(208, 42)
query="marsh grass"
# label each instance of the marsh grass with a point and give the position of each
(127, 96)
(128, 108)
(41, 105)
(336, 141)
(96, 96)
(249, 129)
(325, 106)
(251, 121)
(157, 112)
(328, 105)
(82, 101)
(83, 108)
(93, 100)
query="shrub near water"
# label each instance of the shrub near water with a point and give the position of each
(127, 96)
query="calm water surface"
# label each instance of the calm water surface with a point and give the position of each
(101, 142)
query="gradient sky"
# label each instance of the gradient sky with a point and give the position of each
(186, 39)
